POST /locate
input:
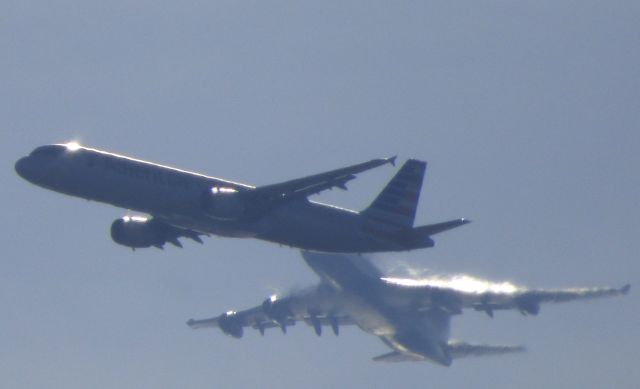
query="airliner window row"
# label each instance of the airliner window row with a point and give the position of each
(140, 171)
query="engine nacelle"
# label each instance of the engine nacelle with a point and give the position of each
(140, 232)
(230, 324)
(276, 310)
(136, 232)
(224, 203)
(528, 306)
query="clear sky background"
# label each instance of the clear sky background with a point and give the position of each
(528, 113)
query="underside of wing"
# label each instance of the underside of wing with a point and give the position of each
(315, 307)
(528, 301)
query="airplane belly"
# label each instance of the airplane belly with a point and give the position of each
(367, 317)
(315, 227)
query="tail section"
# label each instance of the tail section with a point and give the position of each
(392, 214)
(397, 203)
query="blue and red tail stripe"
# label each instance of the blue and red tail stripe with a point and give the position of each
(397, 203)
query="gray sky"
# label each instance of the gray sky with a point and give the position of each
(528, 113)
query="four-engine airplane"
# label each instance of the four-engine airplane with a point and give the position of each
(410, 316)
(187, 204)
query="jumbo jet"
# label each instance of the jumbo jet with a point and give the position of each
(410, 316)
(186, 204)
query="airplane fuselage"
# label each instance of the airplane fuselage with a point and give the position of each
(411, 316)
(384, 309)
(177, 196)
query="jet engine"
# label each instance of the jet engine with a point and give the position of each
(140, 232)
(230, 324)
(528, 306)
(277, 310)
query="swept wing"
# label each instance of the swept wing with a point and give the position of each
(317, 307)
(528, 301)
(235, 203)
(457, 294)
(307, 186)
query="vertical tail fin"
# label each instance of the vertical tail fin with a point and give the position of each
(397, 203)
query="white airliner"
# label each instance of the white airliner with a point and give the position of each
(412, 317)
(186, 204)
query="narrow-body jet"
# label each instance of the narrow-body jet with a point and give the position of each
(410, 316)
(186, 204)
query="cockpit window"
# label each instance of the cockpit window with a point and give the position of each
(49, 151)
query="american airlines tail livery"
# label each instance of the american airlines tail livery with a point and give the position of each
(186, 204)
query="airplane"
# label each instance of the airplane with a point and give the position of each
(410, 316)
(183, 204)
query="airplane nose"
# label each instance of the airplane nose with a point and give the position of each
(22, 167)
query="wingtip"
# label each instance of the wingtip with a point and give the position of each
(519, 349)
(465, 221)
(392, 160)
(625, 289)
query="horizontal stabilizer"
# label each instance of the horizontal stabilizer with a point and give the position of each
(456, 350)
(437, 228)
(462, 350)
(397, 356)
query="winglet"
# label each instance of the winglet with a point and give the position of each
(625, 289)
(392, 160)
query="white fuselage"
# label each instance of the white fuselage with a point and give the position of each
(176, 196)
(383, 309)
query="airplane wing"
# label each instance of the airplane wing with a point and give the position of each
(316, 308)
(454, 295)
(232, 322)
(528, 301)
(306, 186)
